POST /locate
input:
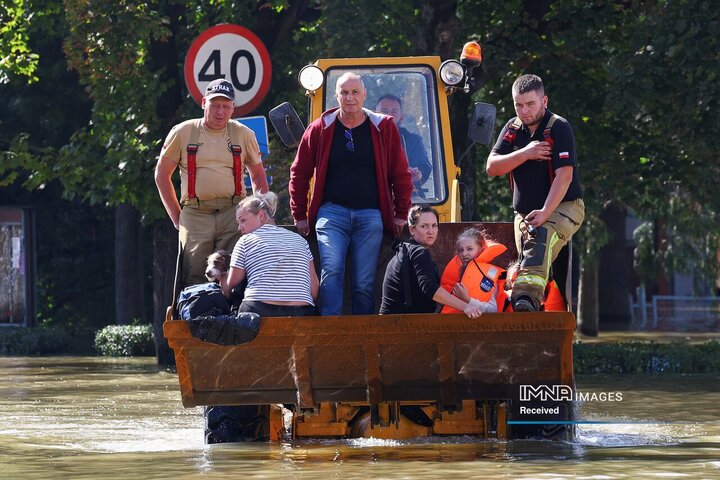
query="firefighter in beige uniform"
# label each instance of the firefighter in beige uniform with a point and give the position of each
(211, 153)
(537, 149)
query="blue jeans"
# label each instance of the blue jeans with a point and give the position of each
(359, 232)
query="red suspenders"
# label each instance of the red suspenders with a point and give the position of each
(237, 168)
(192, 169)
(511, 133)
(548, 139)
(192, 149)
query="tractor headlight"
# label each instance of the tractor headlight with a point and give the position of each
(311, 77)
(451, 72)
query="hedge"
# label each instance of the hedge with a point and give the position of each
(36, 341)
(646, 357)
(125, 341)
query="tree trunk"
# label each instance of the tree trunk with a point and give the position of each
(164, 58)
(129, 281)
(442, 27)
(165, 248)
(614, 287)
(275, 29)
(588, 296)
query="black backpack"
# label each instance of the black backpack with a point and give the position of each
(226, 329)
(203, 299)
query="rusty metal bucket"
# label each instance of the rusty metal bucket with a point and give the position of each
(373, 359)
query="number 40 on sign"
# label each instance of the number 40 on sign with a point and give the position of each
(236, 54)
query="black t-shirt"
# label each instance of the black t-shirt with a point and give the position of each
(351, 180)
(532, 179)
(423, 279)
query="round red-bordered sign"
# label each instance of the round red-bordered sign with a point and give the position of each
(236, 54)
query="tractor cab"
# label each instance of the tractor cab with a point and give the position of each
(417, 90)
(416, 87)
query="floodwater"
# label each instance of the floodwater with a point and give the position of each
(91, 417)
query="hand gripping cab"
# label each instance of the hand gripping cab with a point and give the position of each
(393, 376)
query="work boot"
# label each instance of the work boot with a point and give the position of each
(525, 304)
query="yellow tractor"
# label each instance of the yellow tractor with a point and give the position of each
(391, 376)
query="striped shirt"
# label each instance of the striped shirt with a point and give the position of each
(275, 261)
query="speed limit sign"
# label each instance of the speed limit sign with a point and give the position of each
(236, 54)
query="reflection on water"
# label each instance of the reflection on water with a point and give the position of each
(70, 417)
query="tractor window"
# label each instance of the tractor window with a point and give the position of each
(417, 119)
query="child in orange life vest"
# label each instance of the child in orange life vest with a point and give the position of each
(553, 300)
(470, 276)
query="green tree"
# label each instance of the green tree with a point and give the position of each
(74, 274)
(637, 80)
(16, 56)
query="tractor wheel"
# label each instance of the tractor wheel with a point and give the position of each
(247, 423)
(549, 431)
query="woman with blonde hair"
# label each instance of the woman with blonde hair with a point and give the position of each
(277, 263)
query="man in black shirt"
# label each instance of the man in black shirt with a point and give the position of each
(361, 187)
(537, 149)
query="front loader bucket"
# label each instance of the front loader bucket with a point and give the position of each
(392, 376)
(372, 359)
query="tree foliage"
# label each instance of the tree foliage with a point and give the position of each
(637, 79)
(638, 82)
(16, 56)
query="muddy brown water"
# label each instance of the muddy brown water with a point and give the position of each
(91, 417)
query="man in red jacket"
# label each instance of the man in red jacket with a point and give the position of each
(362, 186)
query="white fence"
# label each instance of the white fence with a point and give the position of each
(678, 313)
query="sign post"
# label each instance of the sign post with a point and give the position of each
(258, 125)
(236, 54)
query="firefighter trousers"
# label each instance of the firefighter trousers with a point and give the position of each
(537, 250)
(205, 227)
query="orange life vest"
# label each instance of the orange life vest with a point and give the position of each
(481, 278)
(553, 301)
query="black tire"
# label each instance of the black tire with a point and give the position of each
(247, 423)
(550, 431)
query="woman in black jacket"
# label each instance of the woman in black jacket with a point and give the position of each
(412, 281)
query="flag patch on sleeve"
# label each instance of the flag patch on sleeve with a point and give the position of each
(564, 155)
